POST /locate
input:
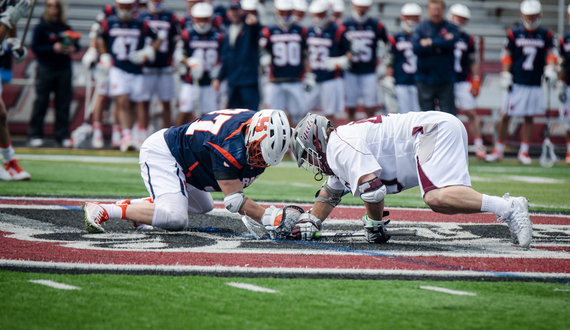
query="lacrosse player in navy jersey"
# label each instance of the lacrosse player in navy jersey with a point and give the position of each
(329, 55)
(398, 86)
(467, 81)
(201, 55)
(225, 150)
(363, 33)
(563, 88)
(123, 50)
(528, 48)
(286, 44)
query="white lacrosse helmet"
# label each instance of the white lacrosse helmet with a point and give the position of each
(309, 145)
(410, 16)
(316, 9)
(125, 14)
(300, 5)
(363, 3)
(360, 14)
(531, 12)
(267, 138)
(249, 5)
(458, 10)
(337, 6)
(200, 11)
(283, 12)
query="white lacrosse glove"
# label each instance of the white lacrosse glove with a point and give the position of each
(306, 227)
(375, 230)
(13, 14)
(20, 53)
(356, 46)
(147, 54)
(272, 216)
(215, 72)
(337, 63)
(309, 81)
(105, 61)
(381, 70)
(265, 60)
(562, 97)
(506, 80)
(89, 57)
(550, 75)
(196, 67)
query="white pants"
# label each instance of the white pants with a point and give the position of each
(360, 86)
(327, 96)
(102, 83)
(160, 82)
(407, 96)
(464, 100)
(286, 96)
(208, 99)
(124, 83)
(523, 101)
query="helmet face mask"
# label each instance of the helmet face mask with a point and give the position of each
(125, 9)
(531, 13)
(309, 145)
(267, 138)
(410, 15)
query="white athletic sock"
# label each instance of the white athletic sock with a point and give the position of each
(494, 204)
(500, 146)
(7, 152)
(114, 211)
(524, 147)
(478, 141)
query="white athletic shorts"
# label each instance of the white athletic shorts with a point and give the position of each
(327, 96)
(523, 100)
(187, 99)
(101, 82)
(124, 83)
(288, 96)
(360, 86)
(441, 153)
(160, 82)
(163, 175)
(464, 100)
(407, 96)
(564, 110)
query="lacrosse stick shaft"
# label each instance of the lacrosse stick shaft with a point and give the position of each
(27, 24)
(401, 232)
(88, 90)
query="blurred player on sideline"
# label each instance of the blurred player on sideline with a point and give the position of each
(398, 86)
(225, 151)
(123, 50)
(286, 44)
(388, 154)
(563, 88)
(299, 10)
(201, 54)
(467, 81)
(364, 33)
(329, 55)
(528, 48)
(11, 13)
(158, 74)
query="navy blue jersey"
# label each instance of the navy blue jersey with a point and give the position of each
(404, 61)
(164, 20)
(435, 62)
(204, 46)
(464, 53)
(286, 48)
(122, 38)
(330, 42)
(369, 33)
(565, 52)
(528, 51)
(212, 148)
(108, 10)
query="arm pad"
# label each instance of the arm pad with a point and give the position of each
(234, 201)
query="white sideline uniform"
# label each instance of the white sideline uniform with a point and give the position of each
(523, 101)
(428, 149)
(288, 96)
(360, 86)
(124, 83)
(564, 111)
(159, 81)
(187, 99)
(164, 178)
(327, 96)
(407, 96)
(464, 100)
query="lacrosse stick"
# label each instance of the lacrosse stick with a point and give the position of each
(362, 233)
(19, 50)
(82, 133)
(257, 230)
(547, 157)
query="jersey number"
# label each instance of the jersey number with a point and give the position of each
(213, 126)
(411, 64)
(530, 53)
(317, 56)
(286, 53)
(365, 54)
(457, 64)
(123, 46)
(209, 57)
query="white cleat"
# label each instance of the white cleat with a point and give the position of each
(494, 156)
(4, 175)
(518, 220)
(36, 143)
(127, 144)
(97, 141)
(524, 158)
(95, 216)
(480, 152)
(16, 172)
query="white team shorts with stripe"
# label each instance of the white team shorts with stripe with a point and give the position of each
(523, 100)
(124, 83)
(162, 176)
(327, 96)
(361, 86)
(464, 100)
(160, 82)
(101, 82)
(441, 152)
(407, 96)
(187, 99)
(564, 110)
(288, 96)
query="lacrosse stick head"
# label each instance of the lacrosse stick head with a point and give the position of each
(257, 230)
(548, 157)
(289, 218)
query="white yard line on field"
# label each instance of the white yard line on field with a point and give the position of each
(55, 285)
(444, 290)
(251, 287)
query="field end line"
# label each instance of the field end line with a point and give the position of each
(444, 290)
(56, 285)
(251, 287)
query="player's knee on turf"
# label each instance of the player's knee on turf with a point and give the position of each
(170, 217)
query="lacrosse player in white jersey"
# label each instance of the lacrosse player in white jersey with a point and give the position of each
(387, 154)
